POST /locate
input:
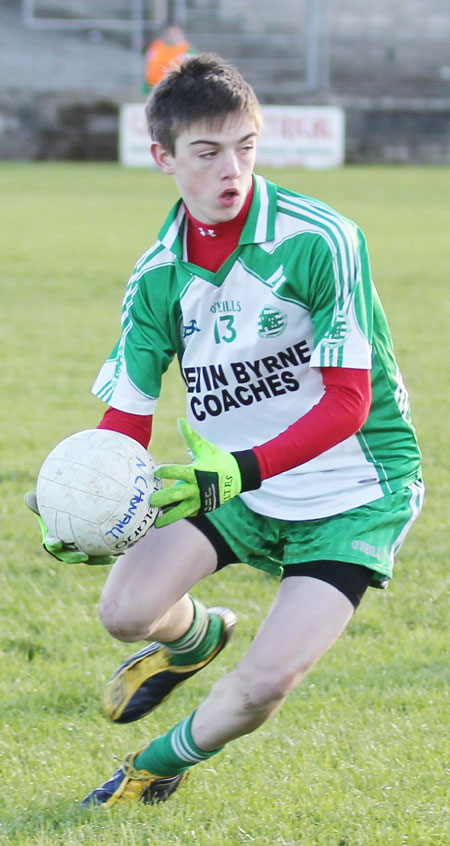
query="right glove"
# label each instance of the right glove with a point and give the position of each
(214, 477)
(67, 553)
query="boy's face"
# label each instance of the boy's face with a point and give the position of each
(212, 166)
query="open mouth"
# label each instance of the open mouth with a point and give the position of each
(229, 195)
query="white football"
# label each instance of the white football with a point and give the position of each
(93, 491)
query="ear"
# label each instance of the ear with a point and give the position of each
(163, 159)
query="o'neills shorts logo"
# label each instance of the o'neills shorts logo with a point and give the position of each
(369, 549)
(271, 322)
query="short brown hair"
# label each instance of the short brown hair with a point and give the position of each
(203, 88)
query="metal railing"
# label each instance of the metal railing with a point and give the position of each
(134, 24)
(142, 16)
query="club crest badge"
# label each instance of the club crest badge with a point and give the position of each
(337, 333)
(271, 322)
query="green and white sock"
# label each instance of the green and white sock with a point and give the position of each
(174, 752)
(200, 639)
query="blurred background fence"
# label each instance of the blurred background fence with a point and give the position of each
(66, 67)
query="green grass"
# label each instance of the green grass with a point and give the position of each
(357, 755)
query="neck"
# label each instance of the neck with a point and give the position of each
(223, 228)
(210, 244)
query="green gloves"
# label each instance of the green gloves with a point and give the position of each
(56, 547)
(214, 477)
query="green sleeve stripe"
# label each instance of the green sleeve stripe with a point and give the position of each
(166, 234)
(133, 286)
(149, 265)
(340, 232)
(106, 392)
(342, 238)
(171, 235)
(339, 268)
(149, 254)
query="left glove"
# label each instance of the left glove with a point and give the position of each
(64, 552)
(214, 477)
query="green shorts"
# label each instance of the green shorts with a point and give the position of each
(369, 535)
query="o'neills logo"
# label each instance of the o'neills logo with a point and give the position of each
(125, 540)
(369, 549)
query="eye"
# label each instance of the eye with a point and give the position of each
(208, 154)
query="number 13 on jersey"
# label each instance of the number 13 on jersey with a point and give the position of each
(224, 329)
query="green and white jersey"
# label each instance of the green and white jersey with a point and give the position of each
(294, 296)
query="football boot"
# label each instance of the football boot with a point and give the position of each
(130, 785)
(148, 678)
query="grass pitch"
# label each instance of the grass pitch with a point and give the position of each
(357, 755)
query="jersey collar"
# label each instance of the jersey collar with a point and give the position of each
(258, 228)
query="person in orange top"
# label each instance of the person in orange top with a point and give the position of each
(164, 53)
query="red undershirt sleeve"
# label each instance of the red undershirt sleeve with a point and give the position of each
(341, 412)
(135, 426)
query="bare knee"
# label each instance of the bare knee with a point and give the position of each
(124, 620)
(130, 622)
(265, 688)
(267, 691)
(117, 621)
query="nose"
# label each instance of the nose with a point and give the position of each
(230, 165)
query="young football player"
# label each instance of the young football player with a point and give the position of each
(304, 458)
